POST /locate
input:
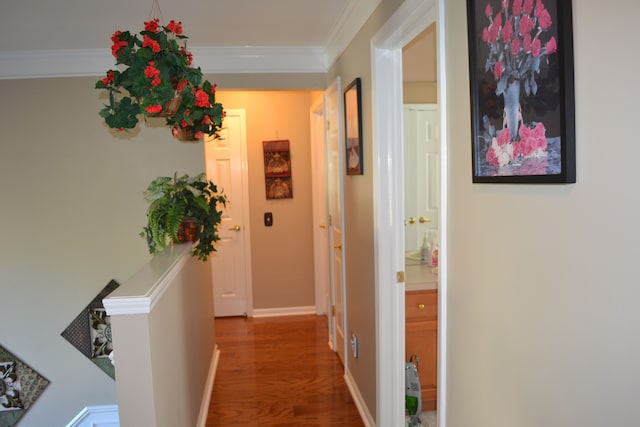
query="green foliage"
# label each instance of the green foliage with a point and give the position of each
(154, 67)
(172, 199)
(120, 114)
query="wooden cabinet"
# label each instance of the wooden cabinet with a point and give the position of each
(421, 329)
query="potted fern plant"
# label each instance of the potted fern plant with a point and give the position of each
(183, 209)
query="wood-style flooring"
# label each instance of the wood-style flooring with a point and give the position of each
(279, 371)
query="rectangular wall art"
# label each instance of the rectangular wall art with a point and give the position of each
(277, 169)
(353, 127)
(522, 91)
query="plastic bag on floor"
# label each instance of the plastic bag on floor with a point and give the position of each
(413, 395)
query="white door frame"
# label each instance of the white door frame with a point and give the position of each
(319, 196)
(337, 288)
(411, 18)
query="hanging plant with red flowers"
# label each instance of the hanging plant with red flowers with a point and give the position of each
(199, 114)
(155, 78)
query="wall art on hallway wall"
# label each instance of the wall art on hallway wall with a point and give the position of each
(353, 127)
(522, 91)
(277, 169)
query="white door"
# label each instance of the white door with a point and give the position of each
(421, 174)
(335, 175)
(226, 166)
(320, 237)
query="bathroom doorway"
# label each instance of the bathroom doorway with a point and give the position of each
(404, 25)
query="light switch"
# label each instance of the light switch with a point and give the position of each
(268, 219)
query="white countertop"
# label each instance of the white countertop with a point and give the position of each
(419, 277)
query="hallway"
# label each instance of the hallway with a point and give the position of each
(279, 371)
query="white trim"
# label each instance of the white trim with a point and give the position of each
(390, 340)
(319, 202)
(411, 18)
(246, 220)
(253, 59)
(96, 416)
(366, 416)
(54, 63)
(208, 389)
(284, 311)
(130, 305)
(443, 260)
(351, 20)
(175, 257)
(214, 60)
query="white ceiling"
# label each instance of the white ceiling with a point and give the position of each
(72, 37)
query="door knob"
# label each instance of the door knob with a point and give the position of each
(412, 220)
(235, 228)
(423, 220)
(323, 225)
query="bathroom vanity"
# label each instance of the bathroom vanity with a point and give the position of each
(421, 327)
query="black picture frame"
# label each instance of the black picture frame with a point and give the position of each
(353, 128)
(522, 91)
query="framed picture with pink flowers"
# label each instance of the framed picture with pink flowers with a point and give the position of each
(522, 91)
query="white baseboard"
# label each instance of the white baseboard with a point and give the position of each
(208, 389)
(97, 416)
(367, 419)
(283, 311)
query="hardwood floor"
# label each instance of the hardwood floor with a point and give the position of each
(279, 371)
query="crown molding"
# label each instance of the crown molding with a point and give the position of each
(254, 59)
(213, 60)
(54, 63)
(351, 21)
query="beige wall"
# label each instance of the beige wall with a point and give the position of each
(419, 69)
(543, 279)
(72, 209)
(281, 255)
(420, 93)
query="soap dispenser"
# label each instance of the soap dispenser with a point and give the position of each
(425, 249)
(434, 255)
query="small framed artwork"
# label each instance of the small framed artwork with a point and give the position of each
(277, 169)
(20, 387)
(522, 91)
(353, 127)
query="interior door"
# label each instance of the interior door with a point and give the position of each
(226, 162)
(335, 175)
(421, 174)
(320, 235)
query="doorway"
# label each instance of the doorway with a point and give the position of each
(406, 23)
(225, 165)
